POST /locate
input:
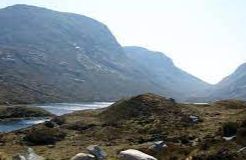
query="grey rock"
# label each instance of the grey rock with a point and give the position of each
(194, 118)
(158, 146)
(97, 152)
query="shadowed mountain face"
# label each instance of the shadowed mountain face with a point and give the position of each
(49, 56)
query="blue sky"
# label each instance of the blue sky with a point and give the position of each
(204, 37)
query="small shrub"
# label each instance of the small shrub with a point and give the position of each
(59, 120)
(230, 129)
(243, 124)
(220, 155)
(184, 139)
(49, 124)
(44, 136)
(78, 126)
(241, 136)
(205, 146)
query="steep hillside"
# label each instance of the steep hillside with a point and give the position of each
(49, 56)
(232, 87)
(160, 69)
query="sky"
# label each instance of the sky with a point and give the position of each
(203, 37)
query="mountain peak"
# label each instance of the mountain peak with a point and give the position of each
(242, 67)
(69, 57)
(140, 52)
(23, 7)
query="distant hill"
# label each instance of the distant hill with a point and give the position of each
(160, 69)
(231, 87)
(49, 56)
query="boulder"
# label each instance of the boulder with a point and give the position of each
(83, 156)
(97, 152)
(132, 154)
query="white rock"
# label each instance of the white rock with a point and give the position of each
(132, 154)
(229, 138)
(83, 156)
(242, 149)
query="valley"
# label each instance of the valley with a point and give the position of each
(70, 91)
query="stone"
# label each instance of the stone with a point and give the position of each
(194, 119)
(132, 154)
(83, 156)
(241, 150)
(158, 146)
(229, 138)
(97, 152)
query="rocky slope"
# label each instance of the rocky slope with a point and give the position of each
(49, 56)
(232, 87)
(160, 69)
(185, 131)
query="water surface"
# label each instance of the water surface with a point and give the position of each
(54, 108)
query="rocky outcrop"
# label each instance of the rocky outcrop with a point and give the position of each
(132, 154)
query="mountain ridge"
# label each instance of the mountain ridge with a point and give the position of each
(52, 56)
(232, 86)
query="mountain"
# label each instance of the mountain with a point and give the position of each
(231, 87)
(50, 56)
(161, 70)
